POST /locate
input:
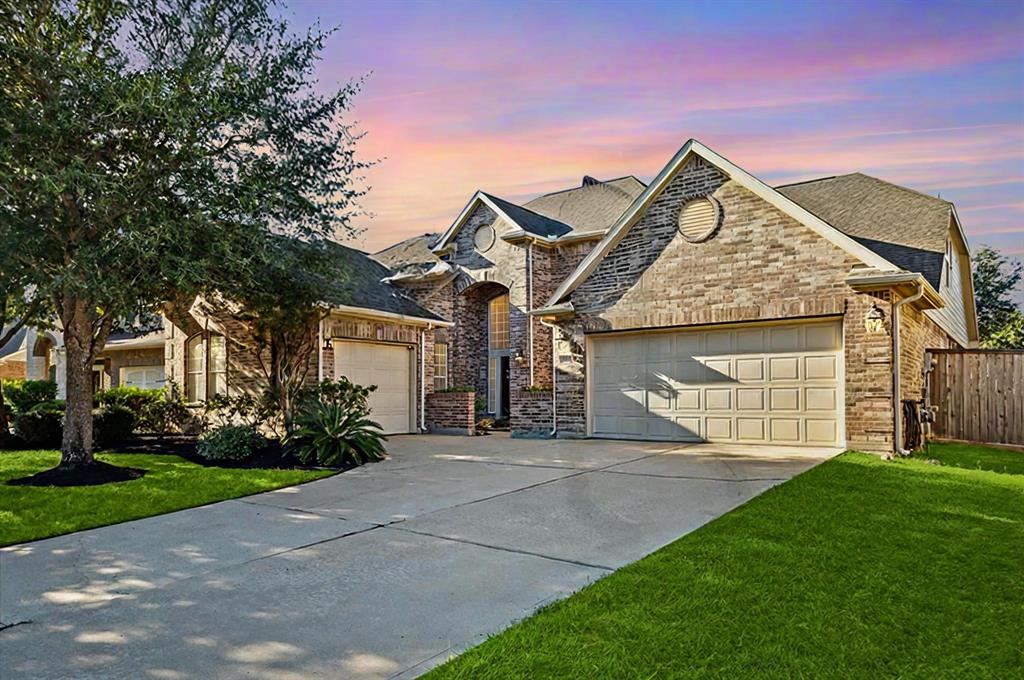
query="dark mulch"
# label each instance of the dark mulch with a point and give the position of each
(83, 475)
(272, 456)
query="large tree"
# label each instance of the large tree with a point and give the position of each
(996, 278)
(146, 144)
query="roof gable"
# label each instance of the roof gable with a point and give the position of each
(594, 206)
(528, 220)
(694, 148)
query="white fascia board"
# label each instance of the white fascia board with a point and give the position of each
(389, 316)
(741, 177)
(553, 310)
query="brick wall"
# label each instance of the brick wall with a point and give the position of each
(531, 413)
(917, 334)
(118, 359)
(450, 412)
(759, 265)
(12, 370)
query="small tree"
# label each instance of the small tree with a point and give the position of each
(996, 277)
(282, 307)
(146, 144)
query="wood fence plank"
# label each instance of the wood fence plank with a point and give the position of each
(979, 395)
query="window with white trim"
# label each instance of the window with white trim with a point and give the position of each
(206, 366)
(440, 365)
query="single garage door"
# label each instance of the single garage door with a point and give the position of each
(779, 384)
(387, 367)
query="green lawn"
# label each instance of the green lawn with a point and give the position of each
(172, 483)
(859, 568)
(974, 457)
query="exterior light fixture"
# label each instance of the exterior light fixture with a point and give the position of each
(874, 321)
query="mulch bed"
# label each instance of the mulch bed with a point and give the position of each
(84, 475)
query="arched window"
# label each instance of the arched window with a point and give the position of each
(206, 366)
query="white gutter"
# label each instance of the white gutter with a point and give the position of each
(554, 378)
(529, 304)
(390, 316)
(896, 393)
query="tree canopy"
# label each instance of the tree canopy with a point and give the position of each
(1000, 321)
(152, 147)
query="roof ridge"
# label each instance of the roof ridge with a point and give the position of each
(806, 181)
(584, 186)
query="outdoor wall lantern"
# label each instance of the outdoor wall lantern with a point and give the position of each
(874, 322)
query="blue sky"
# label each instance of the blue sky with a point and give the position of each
(519, 98)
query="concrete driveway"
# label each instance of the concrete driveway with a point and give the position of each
(380, 572)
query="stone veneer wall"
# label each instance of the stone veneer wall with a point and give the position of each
(759, 265)
(451, 413)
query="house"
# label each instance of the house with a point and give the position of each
(706, 305)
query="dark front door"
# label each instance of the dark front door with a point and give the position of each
(503, 402)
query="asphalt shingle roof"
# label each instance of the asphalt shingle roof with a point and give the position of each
(532, 221)
(409, 256)
(595, 206)
(359, 284)
(866, 207)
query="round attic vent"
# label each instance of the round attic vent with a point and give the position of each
(698, 219)
(483, 238)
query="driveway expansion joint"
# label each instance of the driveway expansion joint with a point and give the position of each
(695, 477)
(500, 548)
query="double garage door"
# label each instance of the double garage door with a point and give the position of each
(779, 384)
(389, 368)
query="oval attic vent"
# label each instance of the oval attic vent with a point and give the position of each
(698, 219)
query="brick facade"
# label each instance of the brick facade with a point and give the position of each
(759, 265)
(451, 412)
(12, 370)
(244, 372)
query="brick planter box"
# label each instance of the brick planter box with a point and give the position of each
(531, 413)
(451, 412)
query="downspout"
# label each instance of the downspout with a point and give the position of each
(529, 304)
(896, 392)
(554, 378)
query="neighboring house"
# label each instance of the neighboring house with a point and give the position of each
(705, 306)
(374, 334)
(32, 354)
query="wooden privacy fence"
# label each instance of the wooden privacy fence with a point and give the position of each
(979, 395)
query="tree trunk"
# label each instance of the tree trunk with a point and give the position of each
(76, 446)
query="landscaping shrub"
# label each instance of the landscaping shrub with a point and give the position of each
(236, 443)
(112, 425)
(167, 415)
(22, 395)
(132, 398)
(334, 434)
(343, 392)
(40, 427)
(258, 412)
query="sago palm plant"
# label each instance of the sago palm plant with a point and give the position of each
(333, 434)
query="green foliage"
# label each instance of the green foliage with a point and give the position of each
(480, 404)
(333, 434)
(771, 590)
(24, 394)
(42, 427)
(148, 147)
(537, 388)
(131, 398)
(171, 483)
(52, 406)
(256, 412)
(112, 424)
(995, 279)
(1010, 335)
(236, 443)
(342, 391)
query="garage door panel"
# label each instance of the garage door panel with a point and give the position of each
(387, 367)
(755, 384)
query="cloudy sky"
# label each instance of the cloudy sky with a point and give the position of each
(521, 98)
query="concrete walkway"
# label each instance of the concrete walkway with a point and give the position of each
(380, 572)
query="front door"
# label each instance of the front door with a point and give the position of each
(498, 357)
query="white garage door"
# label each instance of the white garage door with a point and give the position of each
(387, 367)
(778, 384)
